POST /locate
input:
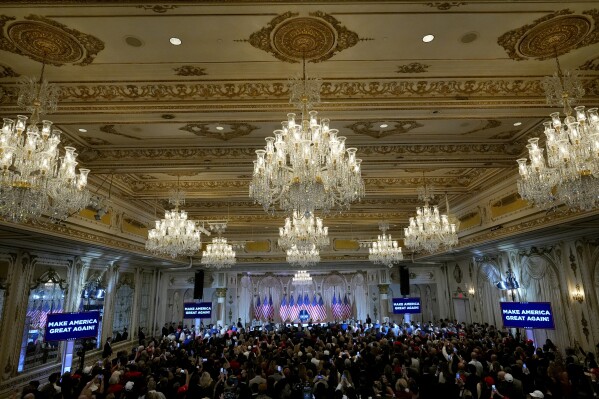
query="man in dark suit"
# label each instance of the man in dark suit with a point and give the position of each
(107, 352)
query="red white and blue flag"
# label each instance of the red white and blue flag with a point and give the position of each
(270, 310)
(346, 309)
(336, 307)
(321, 310)
(258, 309)
(293, 309)
(284, 309)
(312, 309)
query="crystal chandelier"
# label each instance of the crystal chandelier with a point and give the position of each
(36, 178)
(175, 235)
(306, 165)
(303, 258)
(430, 230)
(302, 277)
(571, 168)
(384, 250)
(303, 231)
(218, 254)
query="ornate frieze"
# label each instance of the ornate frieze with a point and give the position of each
(374, 130)
(229, 130)
(413, 67)
(189, 70)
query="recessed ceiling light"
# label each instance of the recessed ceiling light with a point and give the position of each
(175, 41)
(428, 38)
(83, 130)
(220, 128)
(383, 125)
(517, 123)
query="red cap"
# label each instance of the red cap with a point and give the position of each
(489, 380)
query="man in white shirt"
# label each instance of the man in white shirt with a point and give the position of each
(478, 365)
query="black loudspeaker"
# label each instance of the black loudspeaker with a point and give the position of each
(198, 286)
(404, 280)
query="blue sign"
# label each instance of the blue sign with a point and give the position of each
(202, 310)
(304, 315)
(406, 305)
(69, 326)
(527, 315)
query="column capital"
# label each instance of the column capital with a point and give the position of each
(221, 292)
(383, 288)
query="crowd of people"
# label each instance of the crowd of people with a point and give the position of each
(435, 360)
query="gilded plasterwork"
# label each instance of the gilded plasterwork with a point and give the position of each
(291, 38)
(8, 72)
(413, 67)
(160, 9)
(558, 32)
(374, 130)
(189, 70)
(229, 131)
(111, 129)
(445, 5)
(590, 65)
(95, 140)
(43, 39)
(490, 124)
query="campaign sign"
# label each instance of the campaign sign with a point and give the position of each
(406, 305)
(202, 310)
(527, 315)
(69, 326)
(304, 315)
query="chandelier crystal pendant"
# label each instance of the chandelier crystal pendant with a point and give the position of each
(302, 277)
(429, 229)
(567, 169)
(36, 178)
(305, 166)
(385, 250)
(218, 254)
(303, 258)
(175, 235)
(303, 231)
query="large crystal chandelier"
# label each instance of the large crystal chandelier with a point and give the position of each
(570, 172)
(303, 258)
(306, 166)
(218, 254)
(385, 250)
(175, 234)
(302, 277)
(36, 178)
(303, 231)
(430, 230)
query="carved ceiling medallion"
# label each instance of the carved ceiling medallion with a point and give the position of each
(42, 39)
(229, 131)
(559, 32)
(291, 38)
(374, 130)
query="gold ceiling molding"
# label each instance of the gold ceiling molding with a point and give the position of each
(291, 38)
(155, 154)
(8, 72)
(510, 134)
(561, 32)
(590, 65)
(332, 91)
(111, 129)
(230, 130)
(445, 5)
(160, 9)
(490, 124)
(374, 130)
(43, 39)
(414, 67)
(95, 140)
(190, 70)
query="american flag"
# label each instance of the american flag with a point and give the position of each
(307, 305)
(270, 309)
(321, 310)
(346, 308)
(336, 307)
(258, 309)
(284, 309)
(293, 309)
(312, 309)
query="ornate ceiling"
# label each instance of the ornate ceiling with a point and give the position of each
(154, 116)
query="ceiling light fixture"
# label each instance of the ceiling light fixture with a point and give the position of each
(218, 254)
(302, 277)
(82, 130)
(303, 231)
(571, 171)
(175, 41)
(303, 258)
(429, 230)
(384, 250)
(35, 178)
(517, 123)
(428, 38)
(219, 127)
(383, 125)
(175, 235)
(306, 166)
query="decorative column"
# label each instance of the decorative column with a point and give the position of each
(221, 296)
(17, 297)
(137, 282)
(77, 277)
(384, 301)
(112, 277)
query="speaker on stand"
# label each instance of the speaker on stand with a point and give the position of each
(198, 286)
(404, 280)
